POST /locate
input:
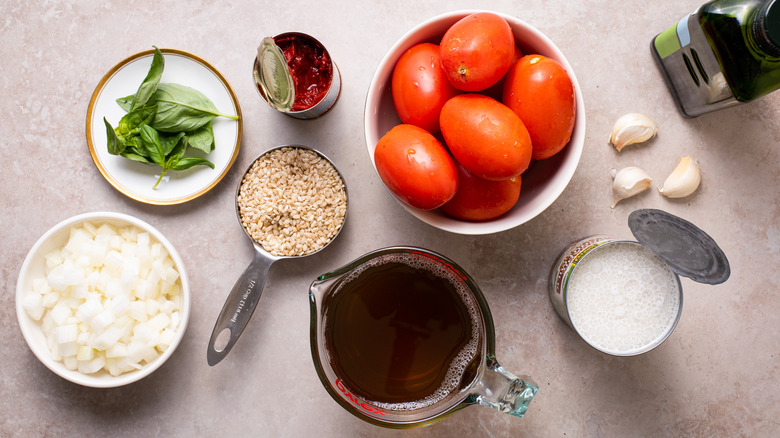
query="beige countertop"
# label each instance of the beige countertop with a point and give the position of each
(716, 375)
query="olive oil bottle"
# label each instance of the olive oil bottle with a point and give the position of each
(725, 53)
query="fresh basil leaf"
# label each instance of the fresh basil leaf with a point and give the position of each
(180, 148)
(138, 150)
(152, 144)
(130, 122)
(170, 141)
(115, 146)
(132, 141)
(181, 108)
(187, 162)
(202, 138)
(126, 103)
(150, 83)
(136, 157)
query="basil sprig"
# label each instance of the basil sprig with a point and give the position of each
(163, 121)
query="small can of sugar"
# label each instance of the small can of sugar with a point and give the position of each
(624, 297)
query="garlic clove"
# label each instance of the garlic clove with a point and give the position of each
(628, 182)
(684, 179)
(632, 128)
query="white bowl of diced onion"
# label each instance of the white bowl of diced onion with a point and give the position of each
(103, 299)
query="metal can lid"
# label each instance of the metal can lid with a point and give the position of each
(689, 251)
(274, 76)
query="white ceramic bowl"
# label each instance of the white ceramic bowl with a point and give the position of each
(33, 267)
(541, 184)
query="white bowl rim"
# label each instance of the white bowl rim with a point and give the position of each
(505, 222)
(28, 325)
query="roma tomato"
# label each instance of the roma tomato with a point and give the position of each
(415, 166)
(477, 51)
(420, 87)
(485, 136)
(539, 90)
(478, 199)
(496, 91)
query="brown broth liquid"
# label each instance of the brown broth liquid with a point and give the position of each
(401, 336)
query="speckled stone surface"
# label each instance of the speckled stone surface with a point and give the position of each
(717, 375)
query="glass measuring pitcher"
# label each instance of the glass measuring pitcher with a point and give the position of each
(402, 337)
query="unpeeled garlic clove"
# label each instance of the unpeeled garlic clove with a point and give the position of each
(628, 182)
(684, 179)
(632, 128)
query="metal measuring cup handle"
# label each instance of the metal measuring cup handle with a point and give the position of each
(239, 306)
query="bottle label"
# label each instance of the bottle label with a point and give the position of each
(673, 39)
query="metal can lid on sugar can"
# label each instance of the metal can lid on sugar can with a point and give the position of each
(689, 251)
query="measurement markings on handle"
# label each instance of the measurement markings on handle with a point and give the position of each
(243, 300)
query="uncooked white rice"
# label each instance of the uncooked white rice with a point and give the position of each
(292, 201)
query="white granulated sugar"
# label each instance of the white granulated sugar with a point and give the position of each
(292, 201)
(622, 298)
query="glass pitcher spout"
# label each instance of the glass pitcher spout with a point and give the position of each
(503, 391)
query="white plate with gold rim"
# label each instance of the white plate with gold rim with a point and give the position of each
(136, 180)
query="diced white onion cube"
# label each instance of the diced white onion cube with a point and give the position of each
(113, 261)
(114, 288)
(91, 366)
(138, 311)
(32, 303)
(117, 350)
(60, 312)
(152, 306)
(66, 333)
(89, 309)
(105, 340)
(101, 321)
(53, 258)
(56, 278)
(119, 305)
(144, 334)
(85, 353)
(106, 229)
(40, 286)
(159, 321)
(50, 299)
(71, 363)
(166, 339)
(68, 349)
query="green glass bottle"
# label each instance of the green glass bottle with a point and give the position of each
(725, 53)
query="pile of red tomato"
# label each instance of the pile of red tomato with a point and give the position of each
(475, 112)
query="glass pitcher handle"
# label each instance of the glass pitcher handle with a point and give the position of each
(503, 391)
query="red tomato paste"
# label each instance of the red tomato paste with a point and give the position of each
(310, 67)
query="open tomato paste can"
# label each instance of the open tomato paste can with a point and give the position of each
(295, 75)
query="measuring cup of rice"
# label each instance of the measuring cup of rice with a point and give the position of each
(291, 202)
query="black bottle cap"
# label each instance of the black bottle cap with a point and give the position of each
(766, 27)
